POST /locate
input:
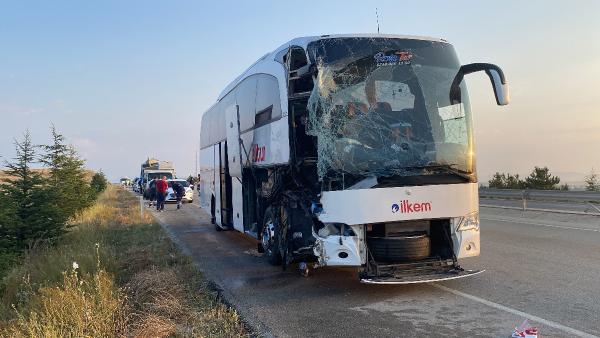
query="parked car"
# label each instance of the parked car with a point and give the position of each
(187, 197)
(135, 185)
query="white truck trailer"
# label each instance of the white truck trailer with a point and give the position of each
(153, 168)
(353, 151)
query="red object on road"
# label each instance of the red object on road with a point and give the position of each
(531, 332)
(525, 331)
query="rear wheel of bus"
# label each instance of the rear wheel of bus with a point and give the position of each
(269, 236)
(213, 218)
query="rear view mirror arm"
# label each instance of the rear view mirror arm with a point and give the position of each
(495, 74)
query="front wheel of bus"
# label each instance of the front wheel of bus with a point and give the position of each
(269, 237)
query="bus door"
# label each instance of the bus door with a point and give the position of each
(234, 157)
(223, 187)
(217, 183)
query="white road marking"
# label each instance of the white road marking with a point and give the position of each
(539, 224)
(517, 312)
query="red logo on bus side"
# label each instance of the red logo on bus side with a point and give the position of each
(258, 153)
(406, 207)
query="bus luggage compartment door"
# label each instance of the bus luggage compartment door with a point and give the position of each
(234, 151)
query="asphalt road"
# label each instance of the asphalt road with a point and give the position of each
(559, 206)
(541, 266)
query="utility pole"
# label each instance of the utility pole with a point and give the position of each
(377, 18)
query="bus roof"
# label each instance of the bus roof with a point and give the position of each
(303, 42)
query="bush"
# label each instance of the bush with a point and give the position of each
(98, 184)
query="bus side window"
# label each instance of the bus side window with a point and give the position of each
(268, 104)
(296, 59)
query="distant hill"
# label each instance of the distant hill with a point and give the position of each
(571, 177)
(44, 172)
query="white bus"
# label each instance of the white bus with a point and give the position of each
(350, 151)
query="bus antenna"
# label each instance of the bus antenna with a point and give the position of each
(377, 18)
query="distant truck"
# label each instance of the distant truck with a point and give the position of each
(153, 168)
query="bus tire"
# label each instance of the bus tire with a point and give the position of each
(269, 236)
(400, 247)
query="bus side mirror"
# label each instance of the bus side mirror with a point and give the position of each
(495, 74)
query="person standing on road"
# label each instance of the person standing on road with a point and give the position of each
(161, 191)
(179, 191)
(152, 191)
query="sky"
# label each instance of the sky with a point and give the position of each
(124, 80)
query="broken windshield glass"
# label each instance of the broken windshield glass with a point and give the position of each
(381, 107)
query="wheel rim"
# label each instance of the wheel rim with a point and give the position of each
(268, 235)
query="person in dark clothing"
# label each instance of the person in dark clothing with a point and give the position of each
(152, 192)
(179, 191)
(161, 192)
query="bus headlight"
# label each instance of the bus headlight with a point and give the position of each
(469, 222)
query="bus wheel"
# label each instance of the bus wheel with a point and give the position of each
(213, 219)
(270, 237)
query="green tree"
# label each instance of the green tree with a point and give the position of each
(506, 181)
(32, 211)
(513, 182)
(592, 181)
(67, 176)
(497, 181)
(8, 243)
(540, 178)
(98, 183)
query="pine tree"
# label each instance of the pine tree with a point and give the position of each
(67, 175)
(592, 182)
(506, 181)
(8, 222)
(540, 178)
(497, 181)
(513, 182)
(32, 212)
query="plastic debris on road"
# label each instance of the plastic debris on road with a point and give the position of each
(525, 331)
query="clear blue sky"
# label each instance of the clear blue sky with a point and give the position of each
(127, 79)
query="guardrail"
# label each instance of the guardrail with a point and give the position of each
(542, 195)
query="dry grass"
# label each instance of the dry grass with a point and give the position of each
(130, 280)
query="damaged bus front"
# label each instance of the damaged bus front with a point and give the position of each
(380, 169)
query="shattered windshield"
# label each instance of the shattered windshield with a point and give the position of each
(381, 107)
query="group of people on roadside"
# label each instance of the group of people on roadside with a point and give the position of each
(158, 192)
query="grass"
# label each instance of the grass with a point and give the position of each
(115, 274)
